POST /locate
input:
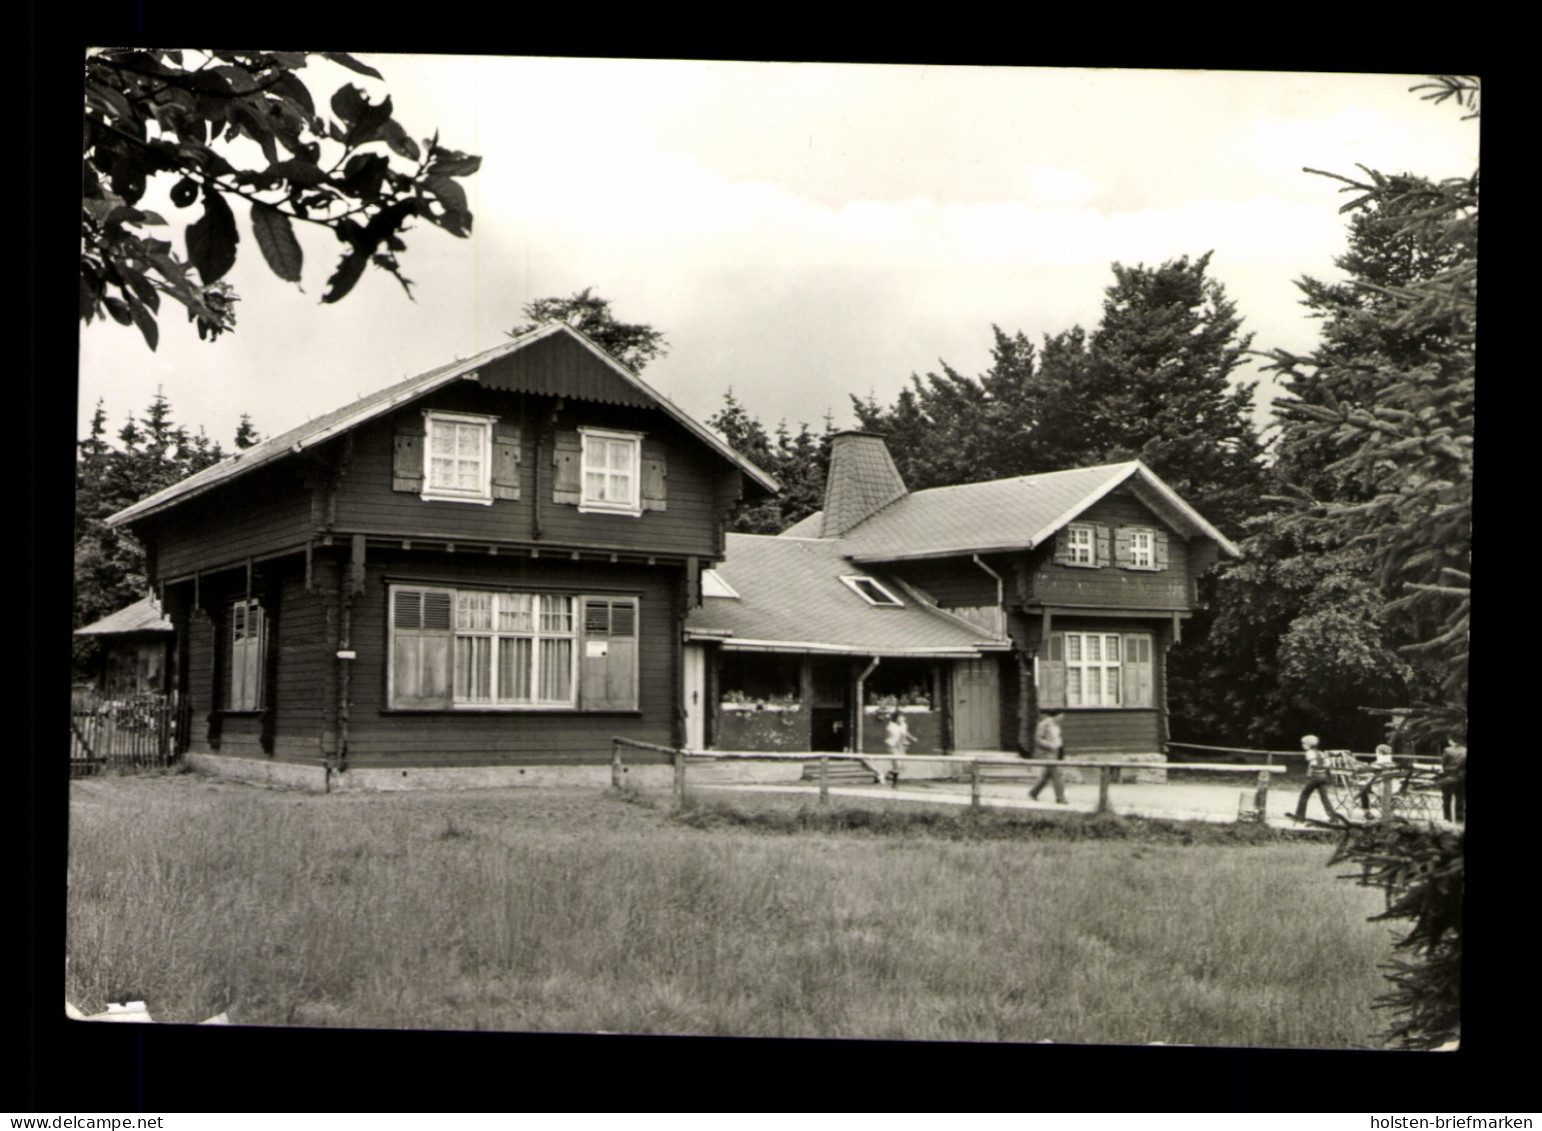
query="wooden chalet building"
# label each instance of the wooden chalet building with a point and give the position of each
(973, 607)
(488, 565)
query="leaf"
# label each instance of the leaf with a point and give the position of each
(348, 102)
(347, 274)
(399, 141)
(211, 242)
(290, 87)
(343, 59)
(146, 323)
(298, 172)
(450, 163)
(276, 238)
(118, 309)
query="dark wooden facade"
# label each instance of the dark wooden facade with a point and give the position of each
(1040, 596)
(316, 538)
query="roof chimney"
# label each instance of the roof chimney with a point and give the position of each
(862, 481)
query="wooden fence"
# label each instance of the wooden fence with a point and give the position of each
(971, 765)
(132, 732)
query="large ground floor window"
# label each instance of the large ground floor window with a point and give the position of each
(495, 649)
(1096, 669)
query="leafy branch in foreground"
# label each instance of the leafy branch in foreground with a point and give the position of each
(151, 113)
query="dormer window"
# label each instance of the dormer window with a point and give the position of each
(713, 585)
(458, 467)
(873, 593)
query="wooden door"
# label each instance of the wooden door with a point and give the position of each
(976, 706)
(695, 697)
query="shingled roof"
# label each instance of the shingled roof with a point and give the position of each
(1002, 514)
(375, 404)
(792, 598)
(144, 615)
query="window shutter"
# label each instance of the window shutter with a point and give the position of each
(1103, 557)
(1063, 546)
(607, 672)
(1052, 672)
(1160, 551)
(567, 458)
(654, 476)
(1131, 672)
(1122, 557)
(1137, 670)
(421, 631)
(506, 459)
(407, 471)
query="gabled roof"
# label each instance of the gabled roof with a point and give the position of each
(791, 597)
(1003, 514)
(144, 615)
(385, 400)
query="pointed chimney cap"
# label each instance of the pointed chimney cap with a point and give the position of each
(862, 481)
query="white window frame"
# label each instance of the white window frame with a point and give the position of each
(856, 582)
(500, 602)
(1076, 547)
(244, 638)
(1091, 663)
(482, 493)
(1142, 556)
(633, 504)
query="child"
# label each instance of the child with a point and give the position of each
(896, 737)
(1318, 779)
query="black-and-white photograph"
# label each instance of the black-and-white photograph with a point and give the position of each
(887, 552)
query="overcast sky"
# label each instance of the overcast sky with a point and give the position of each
(799, 232)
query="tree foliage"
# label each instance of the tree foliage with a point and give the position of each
(633, 344)
(1382, 411)
(1300, 636)
(152, 453)
(1152, 382)
(1421, 871)
(182, 116)
(800, 462)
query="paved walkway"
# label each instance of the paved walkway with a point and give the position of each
(1185, 801)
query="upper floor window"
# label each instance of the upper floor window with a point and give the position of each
(1080, 542)
(459, 462)
(611, 471)
(1142, 549)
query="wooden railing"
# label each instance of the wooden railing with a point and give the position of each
(1105, 769)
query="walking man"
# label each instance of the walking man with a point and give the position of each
(1318, 779)
(1048, 743)
(1453, 781)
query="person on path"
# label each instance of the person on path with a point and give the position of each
(1453, 781)
(896, 737)
(1048, 743)
(1382, 764)
(1318, 779)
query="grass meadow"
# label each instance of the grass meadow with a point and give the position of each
(581, 910)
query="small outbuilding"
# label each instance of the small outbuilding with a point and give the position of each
(137, 650)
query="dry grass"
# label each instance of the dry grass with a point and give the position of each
(574, 910)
